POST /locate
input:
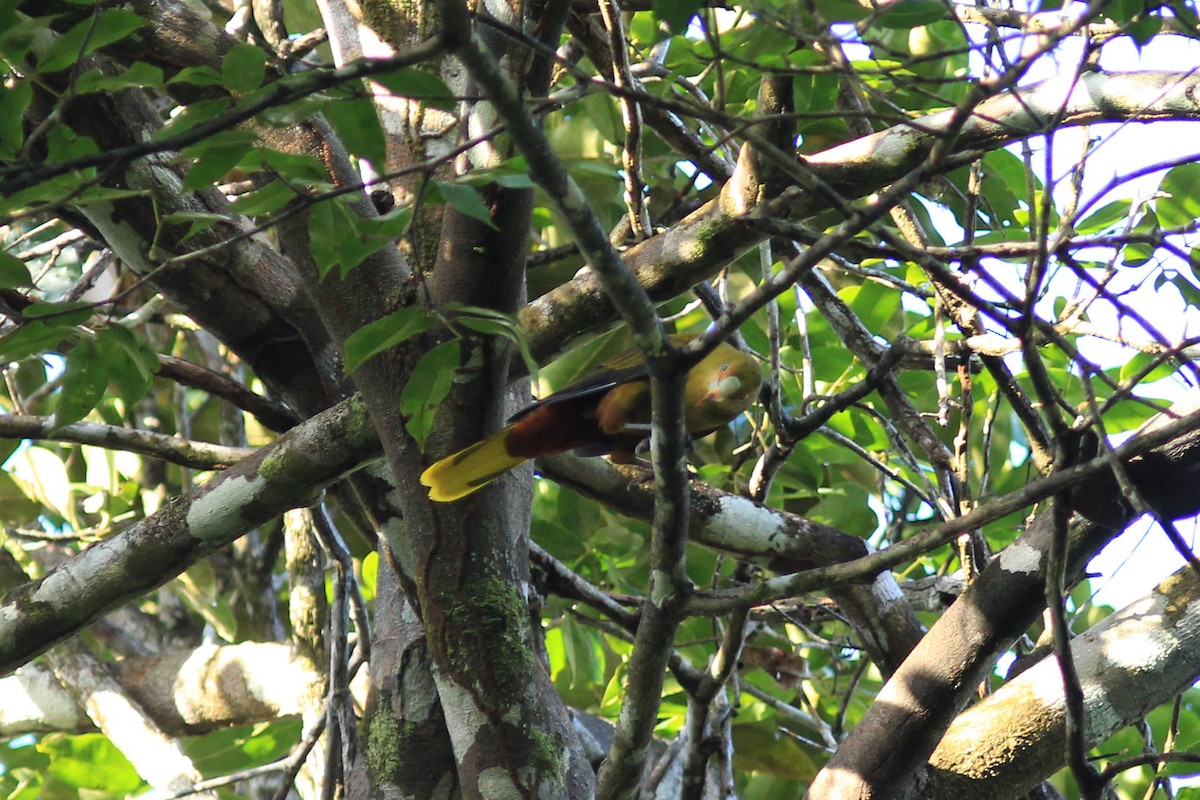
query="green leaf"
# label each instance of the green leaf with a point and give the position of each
(139, 74)
(1104, 217)
(1124, 10)
(13, 102)
(200, 220)
(83, 384)
(104, 194)
(271, 197)
(299, 166)
(339, 237)
(200, 590)
(428, 385)
(322, 236)
(18, 33)
(1186, 14)
(108, 26)
(676, 13)
(90, 761)
(18, 507)
(357, 125)
(466, 200)
(232, 749)
(353, 245)
(191, 116)
(243, 68)
(1144, 30)
(289, 114)
(369, 575)
(1187, 290)
(197, 76)
(30, 339)
(583, 653)
(494, 323)
(558, 541)
(1139, 363)
(216, 156)
(367, 235)
(13, 272)
(418, 85)
(64, 144)
(129, 360)
(383, 334)
(602, 111)
(75, 312)
(843, 11)
(911, 14)
(760, 749)
(512, 174)
(1181, 206)
(1137, 253)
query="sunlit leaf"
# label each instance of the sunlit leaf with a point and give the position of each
(199, 588)
(417, 84)
(1181, 204)
(385, 333)
(428, 385)
(243, 68)
(465, 199)
(90, 761)
(107, 26)
(758, 748)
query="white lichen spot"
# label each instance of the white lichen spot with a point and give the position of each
(1020, 557)
(463, 717)
(496, 784)
(218, 512)
(379, 469)
(573, 200)
(660, 587)
(886, 591)
(32, 696)
(1102, 717)
(1139, 650)
(744, 526)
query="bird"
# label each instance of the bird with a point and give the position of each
(607, 412)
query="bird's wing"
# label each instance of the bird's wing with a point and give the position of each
(594, 385)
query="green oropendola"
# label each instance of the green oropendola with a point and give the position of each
(605, 412)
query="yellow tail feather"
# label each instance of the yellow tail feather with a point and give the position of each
(460, 474)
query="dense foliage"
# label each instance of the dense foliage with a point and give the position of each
(262, 263)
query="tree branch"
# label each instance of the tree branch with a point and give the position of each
(285, 474)
(197, 455)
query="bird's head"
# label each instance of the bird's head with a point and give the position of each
(723, 385)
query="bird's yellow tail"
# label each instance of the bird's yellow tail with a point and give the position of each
(460, 474)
